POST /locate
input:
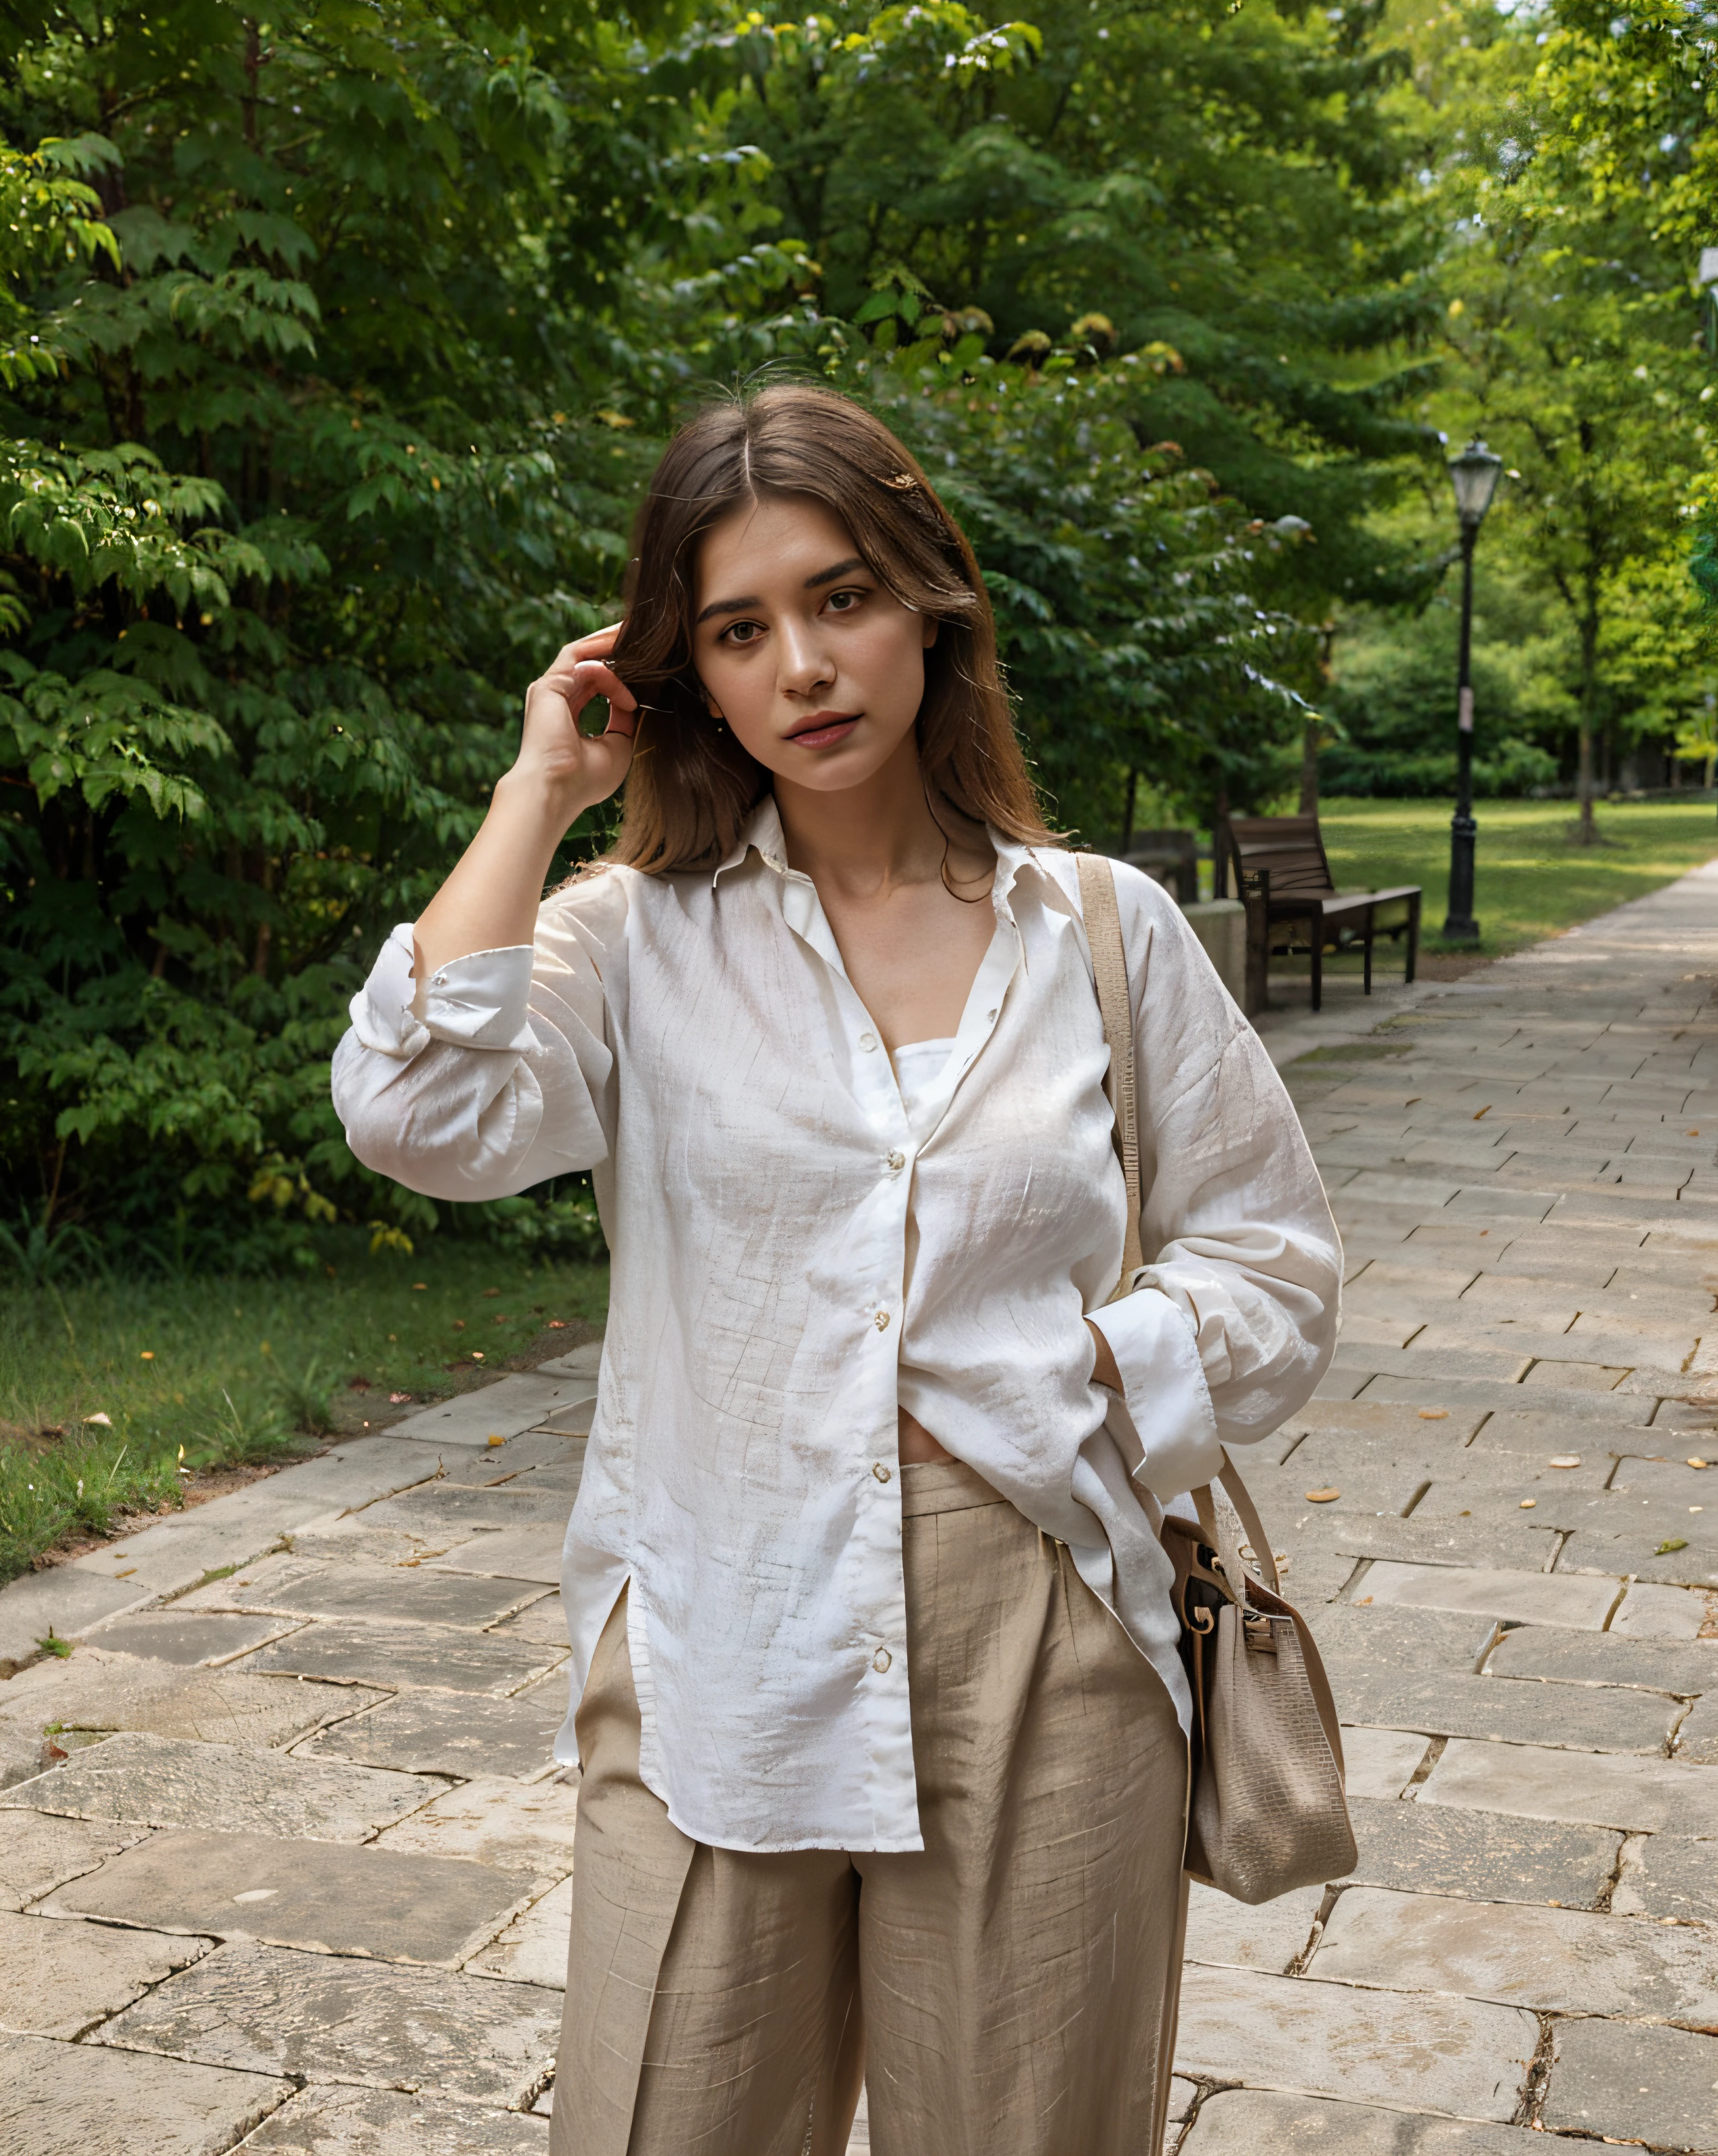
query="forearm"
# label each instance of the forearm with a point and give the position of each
(490, 900)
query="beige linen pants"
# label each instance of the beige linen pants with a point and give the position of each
(1010, 1991)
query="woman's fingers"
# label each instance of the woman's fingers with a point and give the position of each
(576, 685)
(597, 645)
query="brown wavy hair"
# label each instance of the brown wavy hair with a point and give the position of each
(692, 786)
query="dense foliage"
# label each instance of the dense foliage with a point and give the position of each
(334, 349)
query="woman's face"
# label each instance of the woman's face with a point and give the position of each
(818, 669)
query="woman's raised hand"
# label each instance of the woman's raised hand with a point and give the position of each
(575, 769)
(489, 903)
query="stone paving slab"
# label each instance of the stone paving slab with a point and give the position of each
(1669, 1478)
(1557, 1501)
(1634, 2083)
(358, 2122)
(1269, 1937)
(1486, 1856)
(60, 1979)
(502, 1410)
(416, 1594)
(192, 1639)
(1694, 1564)
(1569, 1961)
(520, 1553)
(533, 1949)
(1590, 1788)
(435, 1509)
(1697, 1740)
(1649, 1611)
(58, 1600)
(1573, 1405)
(1280, 1492)
(1529, 1651)
(1413, 2051)
(174, 1554)
(429, 1657)
(1469, 1544)
(361, 1901)
(517, 1828)
(1528, 1597)
(544, 1621)
(461, 1734)
(1381, 1762)
(97, 1691)
(581, 1361)
(1383, 1422)
(172, 1781)
(1257, 2122)
(1378, 1640)
(39, 1851)
(1601, 1719)
(571, 1421)
(54, 2101)
(1669, 1876)
(268, 2011)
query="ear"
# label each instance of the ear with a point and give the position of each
(931, 625)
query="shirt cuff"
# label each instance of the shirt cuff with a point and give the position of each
(1165, 1402)
(478, 1002)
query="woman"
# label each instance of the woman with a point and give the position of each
(875, 1677)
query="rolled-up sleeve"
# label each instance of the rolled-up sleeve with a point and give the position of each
(496, 1072)
(1233, 1322)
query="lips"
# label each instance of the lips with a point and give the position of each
(822, 728)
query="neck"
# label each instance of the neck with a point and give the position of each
(868, 837)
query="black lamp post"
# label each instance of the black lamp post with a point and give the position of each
(1475, 474)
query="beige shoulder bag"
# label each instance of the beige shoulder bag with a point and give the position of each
(1268, 1812)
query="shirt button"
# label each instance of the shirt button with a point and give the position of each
(897, 1159)
(882, 1321)
(881, 1471)
(881, 1660)
(868, 1041)
(990, 1018)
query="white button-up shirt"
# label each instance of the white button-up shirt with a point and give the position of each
(796, 1254)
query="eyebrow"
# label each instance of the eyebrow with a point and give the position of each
(812, 584)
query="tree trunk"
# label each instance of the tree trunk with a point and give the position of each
(1586, 833)
(1309, 768)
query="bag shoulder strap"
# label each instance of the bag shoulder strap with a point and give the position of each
(1103, 936)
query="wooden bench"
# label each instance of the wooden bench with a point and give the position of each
(1283, 876)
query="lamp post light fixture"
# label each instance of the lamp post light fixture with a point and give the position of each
(1474, 475)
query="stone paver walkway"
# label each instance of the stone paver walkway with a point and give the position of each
(284, 1860)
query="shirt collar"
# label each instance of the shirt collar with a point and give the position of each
(760, 831)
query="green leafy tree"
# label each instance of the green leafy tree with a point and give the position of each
(1573, 333)
(316, 334)
(1223, 182)
(1123, 580)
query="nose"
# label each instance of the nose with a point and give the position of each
(805, 666)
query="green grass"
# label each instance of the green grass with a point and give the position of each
(241, 1370)
(1529, 881)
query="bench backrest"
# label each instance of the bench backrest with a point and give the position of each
(1290, 847)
